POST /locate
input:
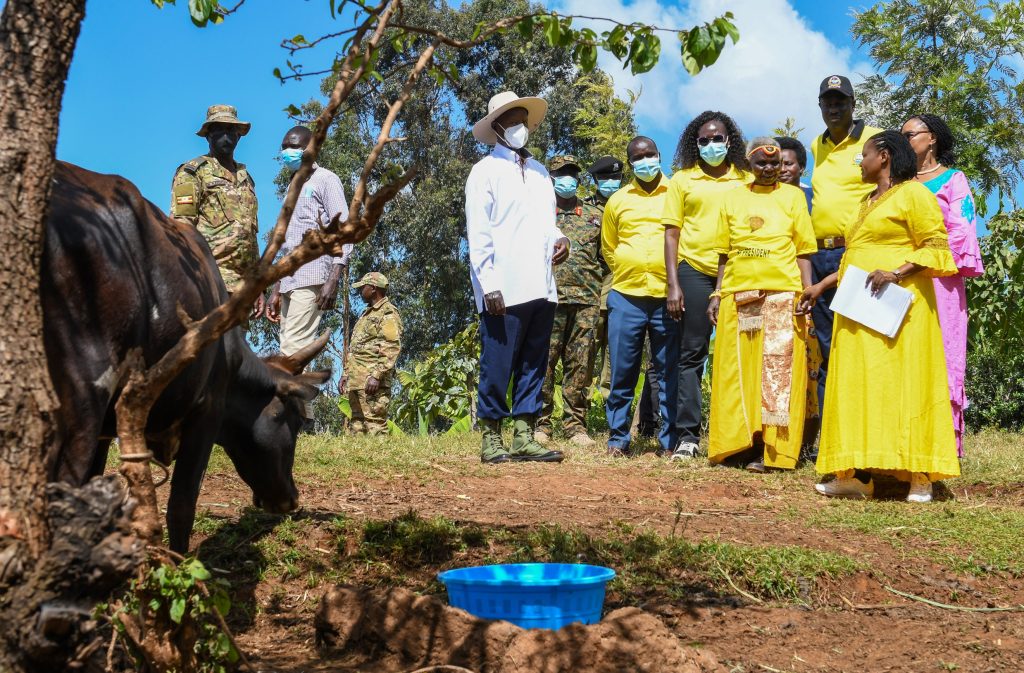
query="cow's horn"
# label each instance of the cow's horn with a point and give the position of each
(298, 360)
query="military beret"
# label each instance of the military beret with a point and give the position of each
(562, 161)
(606, 165)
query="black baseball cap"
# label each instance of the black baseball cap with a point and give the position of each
(836, 83)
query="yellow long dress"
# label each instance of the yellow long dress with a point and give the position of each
(762, 230)
(886, 399)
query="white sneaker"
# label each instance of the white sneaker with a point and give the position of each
(541, 438)
(685, 451)
(920, 488)
(847, 487)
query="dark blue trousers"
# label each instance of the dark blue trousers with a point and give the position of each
(824, 263)
(514, 348)
(630, 319)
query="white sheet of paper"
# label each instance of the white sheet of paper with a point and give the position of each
(884, 312)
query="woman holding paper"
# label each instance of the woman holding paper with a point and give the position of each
(759, 378)
(933, 142)
(887, 402)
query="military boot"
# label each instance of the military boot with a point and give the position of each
(526, 448)
(493, 451)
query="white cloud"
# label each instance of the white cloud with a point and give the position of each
(773, 72)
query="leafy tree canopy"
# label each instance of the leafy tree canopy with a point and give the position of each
(957, 59)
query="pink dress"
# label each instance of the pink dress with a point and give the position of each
(954, 194)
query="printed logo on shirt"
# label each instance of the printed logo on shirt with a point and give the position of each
(755, 222)
(762, 253)
(307, 191)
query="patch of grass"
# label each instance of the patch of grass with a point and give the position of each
(644, 560)
(993, 457)
(977, 539)
(411, 541)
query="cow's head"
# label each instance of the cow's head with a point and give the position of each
(262, 418)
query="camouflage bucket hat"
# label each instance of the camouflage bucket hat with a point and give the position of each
(374, 278)
(222, 114)
(563, 161)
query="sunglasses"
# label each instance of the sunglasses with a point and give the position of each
(909, 135)
(704, 142)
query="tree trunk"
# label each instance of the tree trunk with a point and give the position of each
(37, 39)
(60, 548)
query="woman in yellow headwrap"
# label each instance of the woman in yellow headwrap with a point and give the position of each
(759, 377)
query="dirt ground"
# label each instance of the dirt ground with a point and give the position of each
(853, 624)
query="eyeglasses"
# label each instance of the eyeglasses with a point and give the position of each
(704, 142)
(909, 135)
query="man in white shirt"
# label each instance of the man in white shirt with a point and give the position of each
(299, 300)
(513, 241)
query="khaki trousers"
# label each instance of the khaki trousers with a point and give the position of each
(300, 321)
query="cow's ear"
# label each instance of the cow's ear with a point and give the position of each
(304, 386)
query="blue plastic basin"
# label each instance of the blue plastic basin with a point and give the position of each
(530, 595)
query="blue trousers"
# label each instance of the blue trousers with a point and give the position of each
(824, 263)
(630, 319)
(514, 348)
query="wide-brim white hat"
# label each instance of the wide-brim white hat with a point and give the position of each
(536, 108)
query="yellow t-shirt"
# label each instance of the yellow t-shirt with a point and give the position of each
(633, 240)
(693, 204)
(838, 189)
(762, 230)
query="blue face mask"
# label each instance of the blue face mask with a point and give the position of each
(292, 158)
(713, 154)
(565, 186)
(647, 169)
(608, 187)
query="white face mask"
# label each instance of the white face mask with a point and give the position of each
(516, 136)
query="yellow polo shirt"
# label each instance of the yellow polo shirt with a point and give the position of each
(762, 230)
(838, 189)
(693, 205)
(633, 240)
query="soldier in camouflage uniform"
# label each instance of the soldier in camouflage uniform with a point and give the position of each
(218, 196)
(373, 352)
(607, 175)
(574, 335)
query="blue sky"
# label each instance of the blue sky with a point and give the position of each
(142, 78)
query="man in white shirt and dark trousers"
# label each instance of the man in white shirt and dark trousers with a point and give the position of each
(298, 301)
(513, 241)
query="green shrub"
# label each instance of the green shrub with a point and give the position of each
(995, 388)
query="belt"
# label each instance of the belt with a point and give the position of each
(831, 243)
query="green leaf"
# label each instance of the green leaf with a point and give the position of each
(299, 39)
(552, 29)
(222, 602)
(587, 57)
(461, 426)
(525, 28)
(177, 610)
(277, 73)
(345, 406)
(293, 111)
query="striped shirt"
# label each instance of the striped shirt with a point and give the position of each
(321, 199)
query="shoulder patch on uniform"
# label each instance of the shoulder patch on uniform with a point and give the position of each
(192, 166)
(185, 200)
(390, 330)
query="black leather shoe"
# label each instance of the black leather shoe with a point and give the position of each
(548, 457)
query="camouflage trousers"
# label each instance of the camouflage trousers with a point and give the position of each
(369, 412)
(574, 342)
